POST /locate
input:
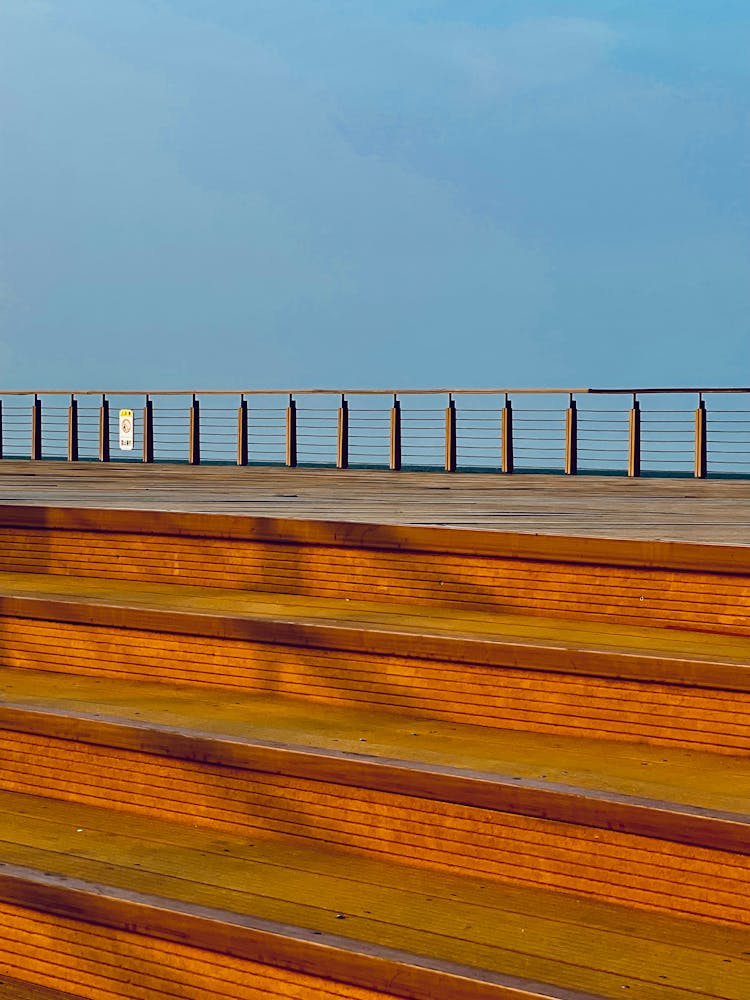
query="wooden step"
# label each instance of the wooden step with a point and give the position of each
(526, 673)
(155, 909)
(665, 584)
(15, 989)
(393, 791)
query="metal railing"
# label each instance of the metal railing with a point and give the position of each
(677, 431)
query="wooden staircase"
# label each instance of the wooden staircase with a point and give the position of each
(244, 758)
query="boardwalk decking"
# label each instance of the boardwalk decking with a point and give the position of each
(303, 734)
(611, 506)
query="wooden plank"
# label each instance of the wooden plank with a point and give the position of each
(241, 721)
(710, 815)
(628, 869)
(634, 655)
(14, 989)
(460, 622)
(517, 700)
(652, 554)
(504, 931)
(103, 962)
(592, 506)
(692, 599)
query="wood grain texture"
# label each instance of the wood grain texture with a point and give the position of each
(102, 963)
(14, 989)
(590, 506)
(601, 864)
(376, 747)
(366, 922)
(145, 854)
(527, 687)
(551, 576)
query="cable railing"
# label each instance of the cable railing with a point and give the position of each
(649, 431)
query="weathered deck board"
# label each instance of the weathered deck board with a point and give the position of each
(399, 759)
(241, 729)
(360, 905)
(13, 989)
(648, 508)
(137, 600)
(507, 671)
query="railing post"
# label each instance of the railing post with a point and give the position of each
(195, 432)
(634, 439)
(73, 430)
(571, 438)
(450, 435)
(506, 437)
(291, 433)
(148, 430)
(395, 454)
(242, 432)
(104, 430)
(342, 449)
(1, 428)
(36, 428)
(701, 456)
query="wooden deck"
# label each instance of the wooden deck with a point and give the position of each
(359, 736)
(679, 509)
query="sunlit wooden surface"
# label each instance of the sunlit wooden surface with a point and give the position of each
(395, 735)
(372, 902)
(614, 506)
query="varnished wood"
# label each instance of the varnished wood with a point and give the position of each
(223, 894)
(628, 869)
(371, 735)
(487, 788)
(14, 989)
(650, 509)
(428, 730)
(518, 700)
(574, 549)
(441, 634)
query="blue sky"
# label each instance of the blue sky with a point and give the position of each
(225, 194)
